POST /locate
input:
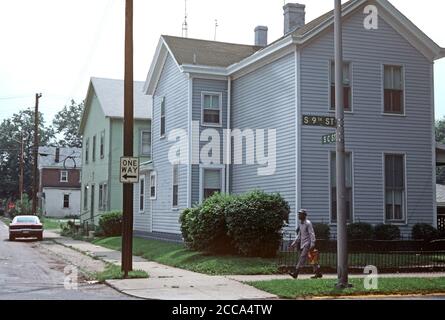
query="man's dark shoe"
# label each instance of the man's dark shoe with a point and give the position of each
(294, 274)
(317, 276)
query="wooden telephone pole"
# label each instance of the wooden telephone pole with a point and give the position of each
(36, 154)
(21, 167)
(127, 223)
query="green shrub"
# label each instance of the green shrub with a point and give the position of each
(68, 229)
(111, 223)
(254, 221)
(386, 232)
(322, 231)
(187, 220)
(360, 231)
(22, 207)
(423, 231)
(210, 232)
(248, 224)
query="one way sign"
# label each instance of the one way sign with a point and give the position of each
(129, 170)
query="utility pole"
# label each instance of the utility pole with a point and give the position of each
(127, 224)
(21, 167)
(36, 153)
(342, 239)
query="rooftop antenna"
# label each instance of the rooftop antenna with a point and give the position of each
(185, 27)
(216, 26)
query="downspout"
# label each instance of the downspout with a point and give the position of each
(228, 136)
(190, 147)
(433, 142)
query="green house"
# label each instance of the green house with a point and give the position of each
(102, 130)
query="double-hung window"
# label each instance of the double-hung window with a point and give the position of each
(211, 108)
(175, 189)
(162, 121)
(347, 86)
(102, 144)
(394, 187)
(103, 196)
(85, 197)
(87, 150)
(66, 201)
(349, 182)
(212, 182)
(94, 149)
(393, 90)
(153, 185)
(101, 199)
(146, 143)
(63, 176)
(142, 194)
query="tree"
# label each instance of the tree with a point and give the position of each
(440, 138)
(67, 122)
(440, 131)
(11, 131)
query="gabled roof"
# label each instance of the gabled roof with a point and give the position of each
(47, 157)
(110, 93)
(224, 59)
(207, 53)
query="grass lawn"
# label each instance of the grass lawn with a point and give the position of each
(113, 272)
(291, 289)
(50, 224)
(5, 220)
(177, 255)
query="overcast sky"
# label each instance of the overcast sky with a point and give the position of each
(55, 46)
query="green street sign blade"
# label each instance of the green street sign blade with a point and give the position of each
(329, 139)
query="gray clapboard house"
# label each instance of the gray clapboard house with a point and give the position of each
(388, 78)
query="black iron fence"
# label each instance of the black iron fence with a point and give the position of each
(441, 222)
(387, 256)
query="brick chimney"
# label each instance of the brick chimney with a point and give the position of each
(57, 156)
(294, 16)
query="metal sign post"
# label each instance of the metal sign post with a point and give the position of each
(342, 240)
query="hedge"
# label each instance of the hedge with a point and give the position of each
(248, 224)
(110, 224)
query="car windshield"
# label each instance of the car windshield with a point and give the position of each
(26, 220)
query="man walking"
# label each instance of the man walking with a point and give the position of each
(305, 243)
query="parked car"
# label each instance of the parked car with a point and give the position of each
(25, 227)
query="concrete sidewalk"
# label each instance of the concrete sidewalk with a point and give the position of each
(166, 283)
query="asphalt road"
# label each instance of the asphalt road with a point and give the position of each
(27, 272)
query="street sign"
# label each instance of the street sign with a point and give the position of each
(329, 139)
(320, 121)
(129, 170)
